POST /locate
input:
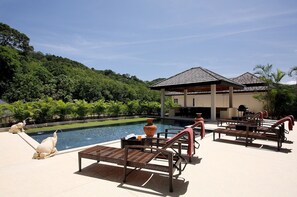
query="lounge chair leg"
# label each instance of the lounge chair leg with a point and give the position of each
(79, 163)
(279, 145)
(170, 157)
(124, 179)
(125, 165)
(170, 181)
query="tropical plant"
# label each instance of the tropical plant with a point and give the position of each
(20, 110)
(116, 108)
(293, 70)
(62, 109)
(43, 110)
(99, 107)
(48, 109)
(278, 99)
(133, 107)
(81, 108)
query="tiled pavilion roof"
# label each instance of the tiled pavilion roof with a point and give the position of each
(252, 83)
(248, 79)
(196, 79)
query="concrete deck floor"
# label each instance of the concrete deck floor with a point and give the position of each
(220, 168)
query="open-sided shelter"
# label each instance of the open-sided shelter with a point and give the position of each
(197, 79)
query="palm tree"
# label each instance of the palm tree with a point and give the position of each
(272, 81)
(264, 72)
(278, 76)
(293, 69)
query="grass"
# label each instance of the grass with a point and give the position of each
(84, 125)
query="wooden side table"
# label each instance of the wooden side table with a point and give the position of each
(125, 142)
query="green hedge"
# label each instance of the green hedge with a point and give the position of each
(49, 110)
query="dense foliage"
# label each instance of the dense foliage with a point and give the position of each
(44, 88)
(27, 75)
(280, 100)
(14, 38)
(48, 109)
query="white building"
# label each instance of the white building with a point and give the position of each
(200, 90)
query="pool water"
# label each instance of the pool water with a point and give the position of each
(82, 137)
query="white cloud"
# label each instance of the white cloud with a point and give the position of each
(57, 47)
(290, 82)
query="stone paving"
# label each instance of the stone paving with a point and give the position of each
(220, 168)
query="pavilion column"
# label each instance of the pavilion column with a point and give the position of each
(213, 102)
(185, 97)
(162, 102)
(230, 97)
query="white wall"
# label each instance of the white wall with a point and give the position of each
(222, 100)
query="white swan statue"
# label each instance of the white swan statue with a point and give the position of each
(19, 127)
(47, 147)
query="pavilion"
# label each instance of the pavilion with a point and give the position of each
(197, 79)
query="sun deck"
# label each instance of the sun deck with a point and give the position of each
(219, 168)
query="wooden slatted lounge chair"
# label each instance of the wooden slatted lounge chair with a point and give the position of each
(256, 119)
(275, 132)
(280, 125)
(249, 135)
(131, 157)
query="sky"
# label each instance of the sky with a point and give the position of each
(153, 39)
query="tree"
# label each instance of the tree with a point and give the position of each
(284, 100)
(263, 71)
(9, 63)
(293, 70)
(63, 88)
(43, 110)
(14, 38)
(278, 76)
(115, 108)
(20, 110)
(99, 107)
(133, 107)
(28, 75)
(275, 94)
(24, 87)
(62, 109)
(87, 90)
(82, 108)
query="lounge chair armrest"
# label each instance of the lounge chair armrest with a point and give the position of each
(165, 133)
(162, 138)
(169, 132)
(148, 147)
(158, 139)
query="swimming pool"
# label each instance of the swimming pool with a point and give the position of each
(82, 137)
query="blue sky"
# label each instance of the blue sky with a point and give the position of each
(160, 38)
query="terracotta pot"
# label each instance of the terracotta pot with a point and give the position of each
(150, 129)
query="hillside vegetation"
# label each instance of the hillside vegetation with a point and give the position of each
(28, 75)
(44, 88)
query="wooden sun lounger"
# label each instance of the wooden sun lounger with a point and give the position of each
(249, 135)
(133, 158)
(140, 157)
(273, 131)
(255, 119)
